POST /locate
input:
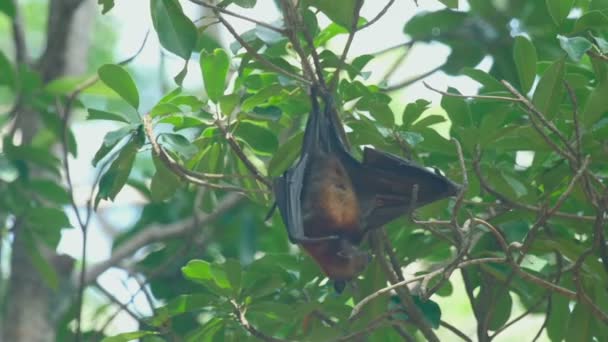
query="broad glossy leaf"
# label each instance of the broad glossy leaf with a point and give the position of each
(501, 309)
(341, 12)
(164, 182)
(179, 144)
(524, 55)
(8, 8)
(559, 9)
(591, 20)
(214, 67)
(575, 47)
(450, 3)
(579, 325)
(117, 78)
(50, 190)
(7, 73)
(180, 305)
(162, 109)
(107, 5)
(550, 90)
(176, 32)
(116, 176)
(260, 138)
(96, 114)
(285, 155)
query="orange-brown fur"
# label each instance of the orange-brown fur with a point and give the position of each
(331, 208)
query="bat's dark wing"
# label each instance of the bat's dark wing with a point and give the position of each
(385, 184)
(319, 136)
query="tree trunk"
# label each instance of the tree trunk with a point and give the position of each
(30, 311)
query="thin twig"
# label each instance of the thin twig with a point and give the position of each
(241, 155)
(357, 308)
(539, 115)
(236, 15)
(479, 97)
(182, 172)
(349, 41)
(257, 56)
(378, 16)
(21, 53)
(410, 81)
(455, 330)
(240, 316)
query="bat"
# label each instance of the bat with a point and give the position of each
(329, 200)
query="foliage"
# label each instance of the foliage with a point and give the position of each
(532, 231)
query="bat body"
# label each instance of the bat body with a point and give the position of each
(329, 200)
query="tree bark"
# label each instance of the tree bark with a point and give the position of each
(31, 308)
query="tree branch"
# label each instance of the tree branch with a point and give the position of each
(158, 233)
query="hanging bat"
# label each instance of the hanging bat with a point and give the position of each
(329, 200)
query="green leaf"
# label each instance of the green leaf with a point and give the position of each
(179, 144)
(8, 8)
(115, 178)
(500, 310)
(412, 112)
(50, 190)
(175, 30)
(120, 81)
(450, 3)
(41, 264)
(550, 90)
(591, 20)
(162, 109)
(261, 139)
(215, 69)
(228, 103)
(597, 104)
(559, 9)
(48, 217)
(234, 273)
(164, 182)
(579, 325)
(328, 33)
(130, 336)
(200, 270)
(285, 155)
(341, 12)
(524, 55)
(96, 114)
(7, 73)
(109, 141)
(244, 3)
(575, 47)
(602, 44)
(180, 305)
(429, 308)
(107, 5)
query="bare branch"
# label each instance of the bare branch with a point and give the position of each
(455, 330)
(158, 233)
(240, 316)
(479, 97)
(236, 15)
(241, 155)
(413, 80)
